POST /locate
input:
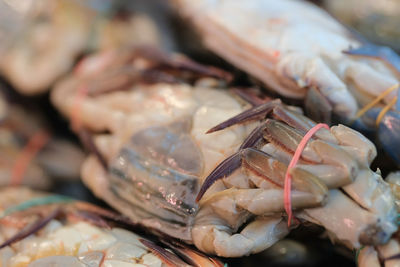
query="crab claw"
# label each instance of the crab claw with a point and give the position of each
(316, 151)
(308, 190)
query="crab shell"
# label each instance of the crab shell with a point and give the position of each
(155, 155)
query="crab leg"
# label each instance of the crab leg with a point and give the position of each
(307, 189)
(362, 184)
(255, 113)
(168, 257)
(316, 151)
(31, 229)
(211, 235)
(317, 106)
(349, 222)
(279, 112)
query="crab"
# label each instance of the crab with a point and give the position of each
(223, 190)
(67, 232)
(299, 51)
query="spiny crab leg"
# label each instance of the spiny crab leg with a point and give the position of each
(122, 72)
(78, 210)
(287, 139)
(310, 191)
(193, 257)
(179, 62)
(92, 218)
(123, 78)
(225, 168)
(278, 111)
(167, 257)
(250, 96)
(39, 224)
(254, 139)
(255, 113)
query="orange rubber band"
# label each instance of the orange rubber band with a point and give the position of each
(34, 145)
(288, 177)
(385, 110)
(375, 101)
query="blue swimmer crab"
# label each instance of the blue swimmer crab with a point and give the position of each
(145, 118)
(299, 51)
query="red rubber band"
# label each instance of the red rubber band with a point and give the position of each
(288, 177)
(34, 145)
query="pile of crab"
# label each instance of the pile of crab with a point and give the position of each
(177, 148)
(182, 153)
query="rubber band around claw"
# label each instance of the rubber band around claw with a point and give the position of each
(34, 145)
(376, 101)
(288, 177)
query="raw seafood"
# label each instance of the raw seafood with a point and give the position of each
(151, 154)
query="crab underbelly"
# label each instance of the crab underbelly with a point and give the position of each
(156, 174)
